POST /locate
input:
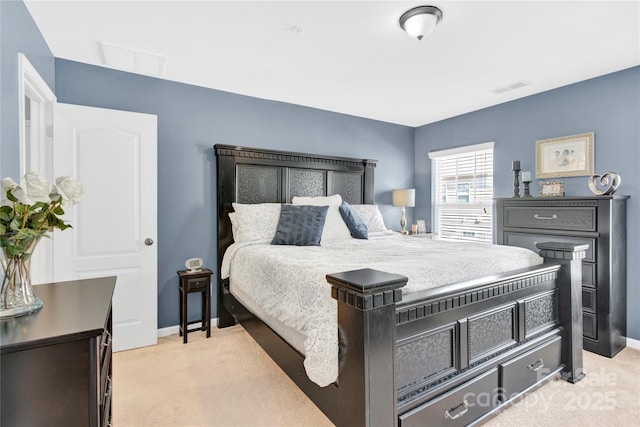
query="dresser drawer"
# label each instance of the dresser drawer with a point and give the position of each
(551, 218)
(589, 299)
(458, 407)
(589, 274)
(589, 325)
(525, 370)
(198, 283)
(529, 241)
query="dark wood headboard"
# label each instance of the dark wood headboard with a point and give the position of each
(256, 175)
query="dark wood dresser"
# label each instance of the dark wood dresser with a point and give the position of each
(56, 363)
(600, 222)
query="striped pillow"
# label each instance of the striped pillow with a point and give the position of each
(300, 225)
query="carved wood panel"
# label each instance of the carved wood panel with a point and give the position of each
(348, 185)
(424, 356)
(491, 331)
(307, 183)
(258, 184)
(540, 313)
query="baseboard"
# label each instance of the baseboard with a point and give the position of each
(173, 330)
(633, 343)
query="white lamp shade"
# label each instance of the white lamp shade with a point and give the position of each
(404, 198)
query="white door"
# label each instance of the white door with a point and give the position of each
(113, 154)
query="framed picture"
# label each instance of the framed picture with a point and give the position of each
(422, 227)
(565, 156)
(552, 189)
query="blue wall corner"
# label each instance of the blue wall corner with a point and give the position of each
(18, 34)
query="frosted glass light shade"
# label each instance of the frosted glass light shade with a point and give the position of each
(404, 198)
(420, 21)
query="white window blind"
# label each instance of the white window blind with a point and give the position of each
(462, 189)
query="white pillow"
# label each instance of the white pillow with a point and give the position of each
(371, 216)
(334, 226)
(252, 222)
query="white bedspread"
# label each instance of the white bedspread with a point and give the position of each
(289, 281)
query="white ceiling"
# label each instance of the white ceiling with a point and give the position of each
(351, 56)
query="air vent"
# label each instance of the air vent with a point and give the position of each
(135, 61)
(507, 88)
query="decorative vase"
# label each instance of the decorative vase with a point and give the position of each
(16, 294)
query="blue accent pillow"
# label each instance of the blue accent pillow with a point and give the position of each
(354, 222)
(300, 225)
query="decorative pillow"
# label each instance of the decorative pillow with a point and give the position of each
(300, 225)
(371, 216)
(252, 222)
(334, 227)
(355, 224)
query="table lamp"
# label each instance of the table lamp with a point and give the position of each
(404, 198)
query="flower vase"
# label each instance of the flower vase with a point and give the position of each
(16, 294)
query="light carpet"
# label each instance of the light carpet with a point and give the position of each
(228, 380)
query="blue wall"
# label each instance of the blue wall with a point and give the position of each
(607, 105)
(192, 119)
(18, 34)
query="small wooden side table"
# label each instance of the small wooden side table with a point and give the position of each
(198, 281)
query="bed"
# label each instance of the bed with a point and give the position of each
(446, 355)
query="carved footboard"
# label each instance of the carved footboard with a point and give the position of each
(454, 355)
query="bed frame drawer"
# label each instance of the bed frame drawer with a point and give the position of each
(458, 407)
(551, 218)
(523, 371)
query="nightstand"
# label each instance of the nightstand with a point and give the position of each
(197, 281)
(424, 235)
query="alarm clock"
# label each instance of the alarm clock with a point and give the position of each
(193, 264)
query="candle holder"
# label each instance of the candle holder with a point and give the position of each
(526, 180)
(515, 166)
(526, 189)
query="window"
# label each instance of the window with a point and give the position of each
(462, 189)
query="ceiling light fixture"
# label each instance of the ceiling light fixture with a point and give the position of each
(420, 21)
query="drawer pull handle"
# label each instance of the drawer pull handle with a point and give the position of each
(108, 392)
(554, 216)
(536, 366)
(107, 342)
(458, 411)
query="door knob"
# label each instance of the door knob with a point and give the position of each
(148, 241)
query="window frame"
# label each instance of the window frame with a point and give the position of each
(463, 198)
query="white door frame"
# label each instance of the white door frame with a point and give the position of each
(36, 146)
(35, 149)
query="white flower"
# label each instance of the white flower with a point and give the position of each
(70, 190)
(19, 193)
(37, 188)
(33, 208)
(7, 184)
